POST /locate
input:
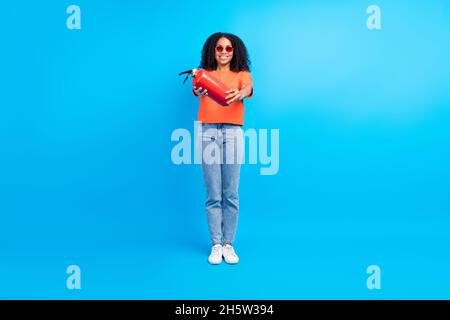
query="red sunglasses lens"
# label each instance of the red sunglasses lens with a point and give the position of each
(227, 49)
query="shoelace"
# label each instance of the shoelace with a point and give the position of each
(216, 250)
(231, 250)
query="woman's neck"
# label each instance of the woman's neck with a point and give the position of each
(223, 67)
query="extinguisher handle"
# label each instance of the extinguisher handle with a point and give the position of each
(184, 72)
(187, 72)
(190, 72)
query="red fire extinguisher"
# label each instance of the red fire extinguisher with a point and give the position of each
(202, 78)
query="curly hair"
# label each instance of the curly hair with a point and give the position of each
(240, 60)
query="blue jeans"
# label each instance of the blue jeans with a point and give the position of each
(221, 150)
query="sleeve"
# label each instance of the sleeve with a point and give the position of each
(246, 78)
(194, 93)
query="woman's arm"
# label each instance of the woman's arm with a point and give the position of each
(246, 90)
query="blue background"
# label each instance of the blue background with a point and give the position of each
(86, 176)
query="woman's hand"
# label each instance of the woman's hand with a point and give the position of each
(233, 95)
(238, 95)
(199, 91)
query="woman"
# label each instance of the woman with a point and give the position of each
(225, 56)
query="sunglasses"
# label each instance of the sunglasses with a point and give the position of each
(228, 49)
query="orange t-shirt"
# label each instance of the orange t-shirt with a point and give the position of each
(212, 112)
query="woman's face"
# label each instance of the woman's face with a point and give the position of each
(224, 51)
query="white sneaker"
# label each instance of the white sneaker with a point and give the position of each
(216, 254)
(229, 254)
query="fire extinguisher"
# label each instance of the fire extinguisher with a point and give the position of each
(202, 78)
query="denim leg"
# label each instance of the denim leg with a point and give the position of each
(232, 156)
(213, 181)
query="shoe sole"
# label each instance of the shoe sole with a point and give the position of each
(215, 263)
(231, 262)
